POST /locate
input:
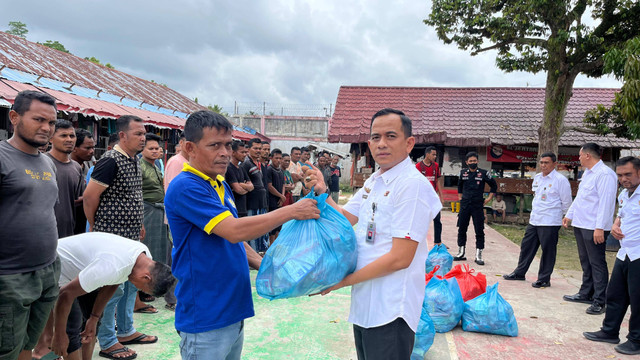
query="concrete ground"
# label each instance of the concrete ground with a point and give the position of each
(317, 327)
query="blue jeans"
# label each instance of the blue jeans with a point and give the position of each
(225, 343)
(120, 309)
(262, 243)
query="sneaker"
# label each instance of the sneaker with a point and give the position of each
(595, 309)
(601, 336)
(628, 348)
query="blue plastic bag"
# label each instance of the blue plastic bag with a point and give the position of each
(443, 302)
(309, 255)
(424, 336)
(489, 313)
(439, 256)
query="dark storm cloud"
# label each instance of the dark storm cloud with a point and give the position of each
(274, 51)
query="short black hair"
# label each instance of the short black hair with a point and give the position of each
(236, 144)
(161, 278)
(295, 148)
(429, 149)
(152, 137)
(276, 151)
(266, 142)
(113, 139)
(201, 119)
(181, 136)
(63, 124)
(593, 149)
(122, 124)
(22, 102)
(305, 149)
(254, 141)
(82, 134)
(471, 154)
(629, 159)
(549, 155)
(406, 122)
(285, 155)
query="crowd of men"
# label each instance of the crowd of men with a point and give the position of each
(86, 246)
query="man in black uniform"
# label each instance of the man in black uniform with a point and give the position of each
(470, 191)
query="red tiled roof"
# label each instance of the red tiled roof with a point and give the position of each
(466, 116)
(20, 54)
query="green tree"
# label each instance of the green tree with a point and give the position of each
(218, 109)
(541, 35)
(55, 45)
(17, 28)
(97, 61)
(622, 118)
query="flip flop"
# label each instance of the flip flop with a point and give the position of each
(138, 340)
(171, 307)
(50, 356)
(146, 310)
(110, 354)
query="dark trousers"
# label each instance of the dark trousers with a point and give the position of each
(535, 237)
(623, 292)
(393, 341)
(81, 310)
(437, 229)
(595, 274)
(468, 211)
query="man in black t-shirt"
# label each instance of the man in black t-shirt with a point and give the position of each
(256, 199)
(238, 178)
(275, 186)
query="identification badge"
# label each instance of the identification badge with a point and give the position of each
(544, 197)
(371, 232)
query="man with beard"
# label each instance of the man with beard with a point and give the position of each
(82, 154)
(29, 268)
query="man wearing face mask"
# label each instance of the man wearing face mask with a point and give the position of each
(470, 193)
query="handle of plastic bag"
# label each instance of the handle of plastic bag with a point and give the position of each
(467, 269)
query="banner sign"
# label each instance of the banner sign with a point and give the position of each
(524, 154)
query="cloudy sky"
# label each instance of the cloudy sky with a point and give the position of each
(278, 51)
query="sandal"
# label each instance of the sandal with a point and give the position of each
(111, 354)
(138, 340)
(146, 310)
(171, 307)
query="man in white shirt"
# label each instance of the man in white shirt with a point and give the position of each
(390, 211)
(552, 200)
(623, 291)
(591, 215)
(93, 265)
(295, 169)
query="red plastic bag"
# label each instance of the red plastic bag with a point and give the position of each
(428, 276)
(470, 285)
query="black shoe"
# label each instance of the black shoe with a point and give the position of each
(459, 258)
(601, 336)
(628, 348)
(595, 309)
(577, 298)
(541, 284)
(513, 276)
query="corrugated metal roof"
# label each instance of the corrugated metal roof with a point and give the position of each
(467, 116)
(34, 60)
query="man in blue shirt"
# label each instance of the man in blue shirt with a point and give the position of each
(209, 260)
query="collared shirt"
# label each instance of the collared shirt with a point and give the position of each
(405, 204)
(552, 199)
(596, 199)
(214, 288)
(152, 183)
(629, 214)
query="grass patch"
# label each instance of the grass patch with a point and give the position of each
(567, 258)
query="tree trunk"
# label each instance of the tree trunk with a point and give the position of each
(559, 90)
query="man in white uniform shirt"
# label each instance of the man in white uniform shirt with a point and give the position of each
(552, 200)
(624, 287)
(391, 212)
(591, 215)
(93, 265)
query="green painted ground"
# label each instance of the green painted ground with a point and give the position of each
(301, 328)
